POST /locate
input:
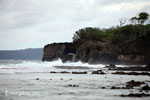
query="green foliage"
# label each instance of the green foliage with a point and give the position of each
(143, 16)
(141, 19)
(117, 38)
(115, 34)
(134, 20)
(88, 33)
(129, 32)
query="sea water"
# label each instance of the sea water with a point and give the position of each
(20, 66)
(32, 80)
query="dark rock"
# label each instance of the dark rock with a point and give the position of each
(53, 72)
(120, 73)
(135, 68)
(130, 85)
(131, 73)
(111, 67)
(64, 72)
(70, 78)
(95, 52)
(98, 72)
(147, 66)
(146, 87)
(120, 87)
(71, 67)
(37, 78)
(145, 73)
(135, 95)
(133, 83)
(54, 51)
(70, 85)
(135, 51)
(103, 87)
(115, 87)
(79, 72)
(68, 57)
(132, 58)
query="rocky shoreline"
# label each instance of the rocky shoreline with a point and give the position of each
(135, 51)
(143, 87)
(136, 70)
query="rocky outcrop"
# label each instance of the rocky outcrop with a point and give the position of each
(95, 52)
(64, 51)
(135, 51)
(132, 58)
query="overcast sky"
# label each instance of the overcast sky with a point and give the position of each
(35, 23)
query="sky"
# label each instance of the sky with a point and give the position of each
(35, 23)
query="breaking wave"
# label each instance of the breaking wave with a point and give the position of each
(18, 66)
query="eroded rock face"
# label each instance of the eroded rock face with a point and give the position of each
(132, 58)
(64, 51)
(135, 51)
(95, 51)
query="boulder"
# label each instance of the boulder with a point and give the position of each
(98, 72)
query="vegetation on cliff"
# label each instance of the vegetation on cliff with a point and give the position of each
(126, 43)
(139, 26)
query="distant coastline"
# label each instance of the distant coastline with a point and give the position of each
(23, 54)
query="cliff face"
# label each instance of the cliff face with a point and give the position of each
(54, 51)
(135, 51)
(95, 52)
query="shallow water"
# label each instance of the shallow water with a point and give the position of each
(18, 81)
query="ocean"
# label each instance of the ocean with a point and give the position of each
(37, 66)
(32, 80)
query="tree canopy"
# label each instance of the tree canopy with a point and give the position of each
(116, 34)
(141, 19)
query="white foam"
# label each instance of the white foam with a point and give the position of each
(39, 66)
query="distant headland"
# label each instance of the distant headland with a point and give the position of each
(23, 54)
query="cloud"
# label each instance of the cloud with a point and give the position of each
(34, 23)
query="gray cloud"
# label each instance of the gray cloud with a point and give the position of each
(34, 23)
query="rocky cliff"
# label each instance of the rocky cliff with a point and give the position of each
(135, 51)
(54, 51)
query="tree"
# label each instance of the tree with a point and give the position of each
(141, 19)
(122, 21)
(143, 16)
(134, 20)
(87, 33)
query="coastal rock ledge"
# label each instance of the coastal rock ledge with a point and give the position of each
(135, 51)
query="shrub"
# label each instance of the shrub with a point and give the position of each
(88, 33)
